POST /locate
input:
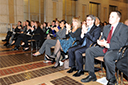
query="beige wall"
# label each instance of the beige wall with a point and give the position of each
(12, 11)
(4, 11)
(49, 11)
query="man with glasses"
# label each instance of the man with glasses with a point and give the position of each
(90, 33)
(113, 38)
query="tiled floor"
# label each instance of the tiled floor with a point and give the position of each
(21, 68)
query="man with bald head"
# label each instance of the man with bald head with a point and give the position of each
(113, 38)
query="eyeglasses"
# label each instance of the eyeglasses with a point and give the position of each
(88, 19)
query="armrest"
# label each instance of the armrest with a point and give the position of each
(75, 42)
(93, 44)
(122, 51)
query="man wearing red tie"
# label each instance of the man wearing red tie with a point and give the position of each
(114, 36)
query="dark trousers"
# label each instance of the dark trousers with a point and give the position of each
(75, 56)
(122, 65)
(9, 34)
(109, 60)
(24, 38)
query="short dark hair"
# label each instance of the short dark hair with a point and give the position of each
(38, 23)
(28, 22)
(118, 13)
(20, 22)
(63, 21)
(46, 24)
(98, 18)
(54, 21)
(92, 17)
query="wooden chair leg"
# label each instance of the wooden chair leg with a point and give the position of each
(117, 76)
(121, 78)
(31, 46)
(36, 45)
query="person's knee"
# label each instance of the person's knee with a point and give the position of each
(88, 50)
(47, 46)
(77, 52)
(107, 59)
(69, 50)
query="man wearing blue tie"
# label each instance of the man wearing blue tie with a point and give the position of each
(90, 33)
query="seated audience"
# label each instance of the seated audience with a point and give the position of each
(24, 36)
(90, 34)
(51, 42)
(112, 40)
(64, 44)
(44, 26)
(15, 31)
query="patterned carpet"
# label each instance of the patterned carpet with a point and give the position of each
(19, 66)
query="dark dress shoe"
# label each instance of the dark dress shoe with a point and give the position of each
(6, 44)
(15, 48)
(56, 66)
(112, 81)
(78, 73)
(12, 44)
(53, 60)
(71, 70)
(4, 40)
(88, 79)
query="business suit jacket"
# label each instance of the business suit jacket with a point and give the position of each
(91, 36)
(119, 39)
(75, 53)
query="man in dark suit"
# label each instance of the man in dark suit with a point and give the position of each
(90, 34)
(114, 36)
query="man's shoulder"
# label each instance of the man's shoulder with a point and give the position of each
(124, 26)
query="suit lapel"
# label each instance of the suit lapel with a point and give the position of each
(117, 29)
(93, 27)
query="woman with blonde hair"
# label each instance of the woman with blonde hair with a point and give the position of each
(64, 44)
